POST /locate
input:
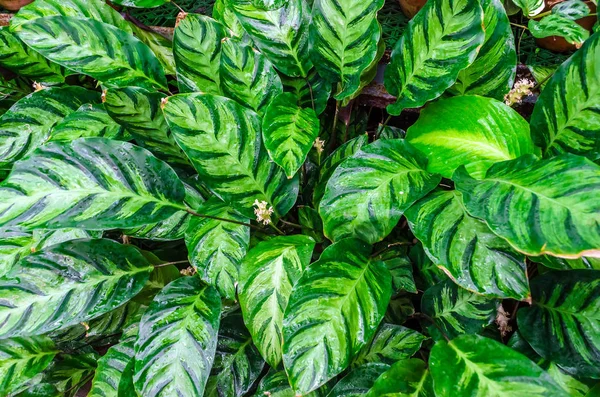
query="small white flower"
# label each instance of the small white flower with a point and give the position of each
(502, 319)
(319, 145)
(263, 214)
(521, 89)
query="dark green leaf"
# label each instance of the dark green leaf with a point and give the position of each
(571, 9)
(90, 120)
(556, 25)
(276, 384)
(567, 264)
(401, 270)
(111, 367)
(391, 343)
(406, 378)
(358, 381)
(310, 92)
(115, 321)
(141, 3)
(70, 372)
(428, 273)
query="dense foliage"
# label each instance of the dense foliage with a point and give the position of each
(207, 216)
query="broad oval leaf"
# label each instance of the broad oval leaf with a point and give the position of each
(268, 275)
(562, 324)
(391, 343)
(530, 7)
(540, 207)
(223, 141)
(439, 42)
(109, 54)
(289, 132)
(566, 116)
(92, 183)
(177, 340)
(368, 192)
(472, 365)
(477, 132)
(556, 25)
(223, 13)
(68, 283)
(466, 249)
(406, 378)
(333, 312)
(90, 120)
(359, 381)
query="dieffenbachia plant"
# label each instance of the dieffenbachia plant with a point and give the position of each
(215, 215)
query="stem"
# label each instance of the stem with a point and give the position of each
(333, 131)
(390, 246)
(189, 211)
(172, 263)
(538, 85)
(177, 5)
(519, 26)
(312, 99)
(297, 226)
(277, 229)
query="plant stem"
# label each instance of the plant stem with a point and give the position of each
(333, 131)
(172, 263)
(519, 26)
(177, 5)
(390, 246)
(312, 99)
(277, 229)
(297, 226)
(189, 211)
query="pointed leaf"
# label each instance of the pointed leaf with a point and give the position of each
(556, 25)
(310, 92)
(359, 381)
(111, 369)
(406, 378)
(391, 343)
(90, 120)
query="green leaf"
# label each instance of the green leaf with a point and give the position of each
(439, 42)
(391, 343)
(333, 312)
(269, 272)
(247, 76)
(492, 74)
(92, 183)
(23, 358)
(571, 9)
(472, 365)
(69, 372)
(289, 132)
(223, 13)
(530, 7)
(310, 92)
(90, 120)
(389, 132)
(556, 25)
(160, 46)
(111, 367)
(565, 117)
(540, 207)
(27, 124)
(223, 141)
(406, 378)
(197, 50)
(457, 311)
(280, 34)
(466, 249)
(114, 57)
(115, 321)
(141, 3)
(567, 264)
(428, 273)
(276, 384)
(562, 323)
(68, 283)
(177, 340)
(401, 270)
(368, 192)
(359, 381)
(238, 363)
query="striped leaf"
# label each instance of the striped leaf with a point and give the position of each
(530, 7)
(477, 132)
(217, 247)
(439, 42)
(111, 367)
(69, 372)
(90, 120)
(343, 39)
(492, 74)
(92, 183)
(268, 275)
(540, 207)
(401, 270)
(472, 365)
(276, 384)
(368, 192)
(223, 141)
(224, 14)
(289, 132)
(359, 381)
(556, 25)
(406, 378)
(113, 56)
(138, 110)
(466, 249)
(333, 312)
(177, 340)
(457, 311)
(161, 46)
(141, 3)
(116, 321)
(68, 283)
(562, 324)
(567, 264)
(197, 50)
(247, 76)
(23, 358)
(567, 114)
(310, 92)
(280, 34)
(391, 343)
(27, 124)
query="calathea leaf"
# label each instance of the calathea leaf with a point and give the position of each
(178, 335)
(23, 358)
(276, 384)
(223, 141)
(223, 13)
(27, 124)
(571, 9)
(268, 275)
(359, 381)
(368, 192)
(400, 268)
(68, 283)
(90, 120)
(111, 367)
(141, 3)
(280, 34)
(113, 56)
(237, 361)
(530, 7)
(567, 264)
(391, 343)
(289, 132)
(565, 117)
(457, 311)
(406, 378)
(478, 366)
(439, 42)
(197, 50)
(466, 249)
(428, 273)
(310, 92)
(556, 25)
(562, 323)
(160, 46)
(115, 321)
(540, 207)
(92, 183)
(69, 372)
(333, 311)
(216, 247)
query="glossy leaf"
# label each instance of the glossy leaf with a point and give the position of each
(359, 381)
(530, 7)
(161, 46)
(177, 337)
(368, 192)
(68, 372)
(567, 264)
(541, 207)
(391, 343)
(401, 270)
(276, 384)
(111, 369)
(333, 311)
(572, 9)
(439, 42)
(269, 272)
(223, 13)
(68, 283)
(141, 3)
(406, 378)
(90, 120)
(428, 273)
(116, 321)
(92, 183)
(556, 25)
(562, 323)
(310, 92)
